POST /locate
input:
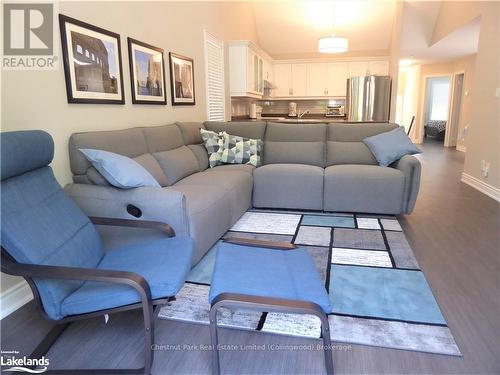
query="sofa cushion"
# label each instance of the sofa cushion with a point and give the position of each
(240, 150)
(279, 132)
(236, 185)
(254, 129)
(345, 143)
(191, 132)
(391, 146)
(128, 142)
(236, 167)
(294, 143)
(363, 188)
(120, 171)
(208, 212)
(95, 177)
(177, 163)
(153, 167)
(297, 186)
(357, 132)
(348, 153)
(162, 138)
(201, 155)
(311, 153)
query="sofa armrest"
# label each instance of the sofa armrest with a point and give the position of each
(155, 204)
(410, 167)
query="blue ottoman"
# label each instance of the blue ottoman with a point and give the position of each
(270, 280)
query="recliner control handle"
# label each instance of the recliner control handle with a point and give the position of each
(134, 210)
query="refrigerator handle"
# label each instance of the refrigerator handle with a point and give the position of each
(366, 99)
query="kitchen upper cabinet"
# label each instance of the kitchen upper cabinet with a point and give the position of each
(317, 83)
(357, 68)
(246, 69)
(299, 79)
(337, 75)
(283, 79)
(378, 68)
(363, 68)
(326, 79)
(290, 80)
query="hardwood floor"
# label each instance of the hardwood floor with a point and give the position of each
(455, 234)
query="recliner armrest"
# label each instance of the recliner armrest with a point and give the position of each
(410, 166)
(147, 224)
(155, 204)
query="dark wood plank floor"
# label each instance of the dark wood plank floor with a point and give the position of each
(454, 232)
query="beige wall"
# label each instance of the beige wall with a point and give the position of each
(408, 98)
(37, 100)
(464, 65)
(483, 139)
(395, 49)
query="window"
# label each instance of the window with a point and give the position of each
(79, 49)
(438, 94)
(214, 72)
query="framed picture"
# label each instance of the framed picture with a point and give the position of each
(147, 73)
(181, 79)
(92, 63)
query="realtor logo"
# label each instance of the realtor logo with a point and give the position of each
(28, 29)
(28, 41)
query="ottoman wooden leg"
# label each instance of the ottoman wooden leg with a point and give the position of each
(257, 303)
(215, 341)
(327, 343)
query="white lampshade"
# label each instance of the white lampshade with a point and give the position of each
(332, 44)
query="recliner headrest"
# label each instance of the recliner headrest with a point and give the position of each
(24, 151)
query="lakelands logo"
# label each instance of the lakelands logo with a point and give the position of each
(23, 364)
(28, 41)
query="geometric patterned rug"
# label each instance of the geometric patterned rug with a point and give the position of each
(380, 297)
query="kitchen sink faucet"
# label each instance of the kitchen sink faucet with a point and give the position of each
(303, 113)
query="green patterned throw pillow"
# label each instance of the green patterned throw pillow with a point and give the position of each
(239, 150)
(213, 143)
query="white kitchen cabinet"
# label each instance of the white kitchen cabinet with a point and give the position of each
(299, 79)
(317, 79)
(290, 80)
(283, 79)
(378, 68)
(246, 69)
(357, 68)
(337, 75)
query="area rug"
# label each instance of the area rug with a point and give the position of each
(380, 297)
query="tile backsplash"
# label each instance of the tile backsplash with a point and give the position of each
(240, 106)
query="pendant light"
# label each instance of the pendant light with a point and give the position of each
(333, 44)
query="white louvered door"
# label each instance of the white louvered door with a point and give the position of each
(214, 73)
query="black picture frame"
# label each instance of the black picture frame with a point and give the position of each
(178, 100)
(142, 99)
(95, 61)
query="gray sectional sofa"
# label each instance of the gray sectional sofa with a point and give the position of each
(311, 167)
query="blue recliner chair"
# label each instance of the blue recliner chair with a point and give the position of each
(50, 242)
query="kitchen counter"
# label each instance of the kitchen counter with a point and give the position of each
(307, 119)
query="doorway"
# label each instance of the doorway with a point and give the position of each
(451, 136)
(436, 110)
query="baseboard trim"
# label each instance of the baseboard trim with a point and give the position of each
(14, 298)
(481, 186)
(461, 148)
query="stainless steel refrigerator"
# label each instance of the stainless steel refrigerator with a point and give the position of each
(368, 98)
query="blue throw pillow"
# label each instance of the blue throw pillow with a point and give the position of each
(391, 146)
(119, 170)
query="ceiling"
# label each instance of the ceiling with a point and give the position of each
(419, 19)
(291, 29)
